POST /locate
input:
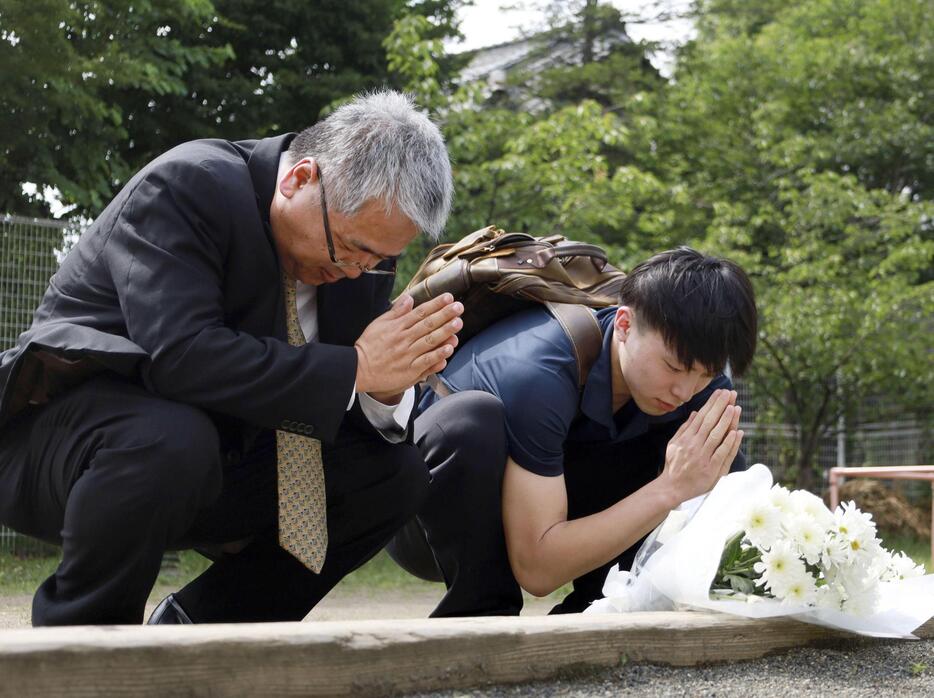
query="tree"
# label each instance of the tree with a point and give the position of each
(126, 80)
(803, 135)
(795, 139)
(607, 67)
(844, 306)
(560, 167)
(775, 87)
(63, 62)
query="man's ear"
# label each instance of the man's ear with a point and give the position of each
(623, 322)
(303, 172)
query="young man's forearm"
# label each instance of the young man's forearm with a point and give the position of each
(569, 549)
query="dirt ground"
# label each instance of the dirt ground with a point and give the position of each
(14, 611)
(340, 604)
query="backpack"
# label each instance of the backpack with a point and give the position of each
(495, 274)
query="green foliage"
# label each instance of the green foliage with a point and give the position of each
(803, 131)
(415, 57)
(92, 90)
(810, 84)
(795, 139)
(64, 64)
(843, 298)
(736, 569)
(562, 167)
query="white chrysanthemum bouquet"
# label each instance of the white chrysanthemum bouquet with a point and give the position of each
(793, 548)
(758, 551)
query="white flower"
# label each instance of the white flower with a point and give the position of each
(857, 531)
(780, 566)
(850, 521)
(762, 524)
(835, 552)
(853, 588)
(808, 536)
(854, 577)
(899, 567)
(830, 596)
(811, 505)
(780, 498)
(810, 556)
(800, 589)
(876, 564)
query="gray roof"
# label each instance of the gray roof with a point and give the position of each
(533, 54)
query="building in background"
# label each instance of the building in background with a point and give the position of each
(510, 69)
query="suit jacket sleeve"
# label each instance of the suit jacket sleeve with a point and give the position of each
(167, 255)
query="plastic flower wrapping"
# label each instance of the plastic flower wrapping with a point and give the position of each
(752, 549)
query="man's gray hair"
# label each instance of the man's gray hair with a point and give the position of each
(379, 146)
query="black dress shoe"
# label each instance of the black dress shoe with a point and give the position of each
(169, 612)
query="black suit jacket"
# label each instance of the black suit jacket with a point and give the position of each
(177, 285)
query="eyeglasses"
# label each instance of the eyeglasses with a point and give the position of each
(330, 240)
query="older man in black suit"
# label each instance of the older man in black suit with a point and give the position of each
(214, 365)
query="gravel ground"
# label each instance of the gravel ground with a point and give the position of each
(861, 668)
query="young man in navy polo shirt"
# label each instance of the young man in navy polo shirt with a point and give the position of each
(537, 484)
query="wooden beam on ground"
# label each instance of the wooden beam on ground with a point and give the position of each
(361, 658)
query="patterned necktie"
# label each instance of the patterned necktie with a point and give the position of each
(303, 529)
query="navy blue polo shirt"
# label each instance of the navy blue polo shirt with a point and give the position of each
(527, 361)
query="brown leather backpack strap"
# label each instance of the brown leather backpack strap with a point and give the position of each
(583, 330)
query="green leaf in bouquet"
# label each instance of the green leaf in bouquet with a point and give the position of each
(748, 558)
(814, 570)
(741, 584)
(731, 550)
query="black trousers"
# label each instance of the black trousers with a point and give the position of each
(117, 476)
(457, 536)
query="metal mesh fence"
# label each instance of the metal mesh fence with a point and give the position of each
(30, 250)
(907, 441)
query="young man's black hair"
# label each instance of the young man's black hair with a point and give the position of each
(704, 307)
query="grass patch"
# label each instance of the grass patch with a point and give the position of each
(22, 575)
(177, 571)
(381, 573)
